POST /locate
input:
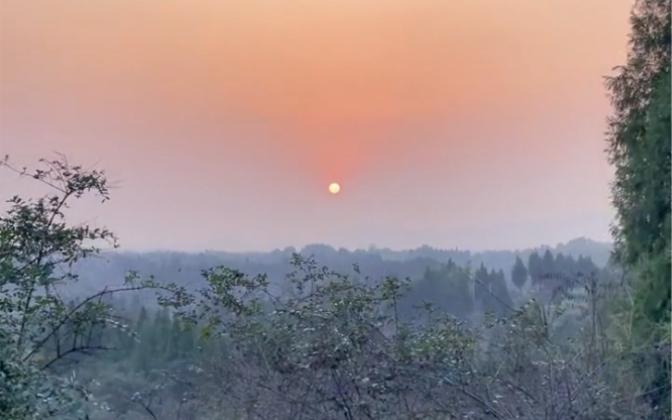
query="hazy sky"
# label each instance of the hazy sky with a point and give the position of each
(476, 124)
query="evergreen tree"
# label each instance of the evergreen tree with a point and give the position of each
(174, 349)
(482, 287)
(571, 266)
(548, 265)
(519, 273)
(498, 300)
(142, 352)
(502, 290)
(161, 334)
(586, 267)
(534, 265)
(461, 282)
(446, 287)
(561, 263)
(639, 149)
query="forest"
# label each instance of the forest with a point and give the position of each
(578, 331)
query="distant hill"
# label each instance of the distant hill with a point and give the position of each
(185, 268)
(599, 252)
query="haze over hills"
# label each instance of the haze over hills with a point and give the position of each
(110, 268)
(598, 251)
(515, 233)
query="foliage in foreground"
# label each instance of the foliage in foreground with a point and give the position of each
(640, 150)
(335, 348)
(39, 332)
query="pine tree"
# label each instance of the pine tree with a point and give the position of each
(571, 266)
(519, 273)
(161, 335)
(503, 291)
(534, 266)
(447, 287)
(174, 350)
(586, 266)
(561, 263)
(548, 268)
(142, 352)
(482, 287)
(498, 300)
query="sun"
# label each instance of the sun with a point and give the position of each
(334, 188)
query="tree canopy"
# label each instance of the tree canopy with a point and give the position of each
(639, 140)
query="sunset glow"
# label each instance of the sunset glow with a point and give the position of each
(473, 110)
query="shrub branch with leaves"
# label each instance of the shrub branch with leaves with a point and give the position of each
(38, 328)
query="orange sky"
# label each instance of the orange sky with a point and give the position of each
(445, 121)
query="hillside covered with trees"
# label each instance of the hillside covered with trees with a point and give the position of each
(574, 331)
